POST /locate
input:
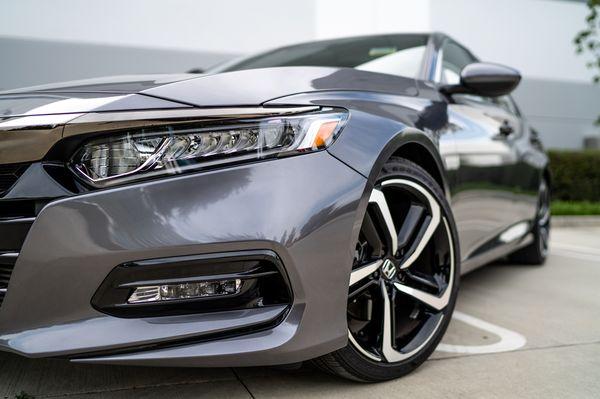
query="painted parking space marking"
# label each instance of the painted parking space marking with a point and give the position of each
(575, 252)
(509, 340)
(575, 255)
(576, 248)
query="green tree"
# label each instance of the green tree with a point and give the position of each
(588, 40)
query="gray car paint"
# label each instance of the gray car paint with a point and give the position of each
(31, 124)
(125, 84)
(24, 105)
(256, 86)
(481, 213)
(307, 209)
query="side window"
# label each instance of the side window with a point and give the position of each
(406, 62)
(454, 59)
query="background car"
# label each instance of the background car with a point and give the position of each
(318, 201)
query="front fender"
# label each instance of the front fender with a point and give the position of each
(379, 125)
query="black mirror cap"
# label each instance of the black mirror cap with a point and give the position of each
(485, 79)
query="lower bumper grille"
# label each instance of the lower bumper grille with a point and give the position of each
(260, 281)
(7, 263)
(9, 174)
(12, 235)
(18, 210)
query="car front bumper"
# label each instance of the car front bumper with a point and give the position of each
(306, 209)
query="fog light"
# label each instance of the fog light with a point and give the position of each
(169, 292)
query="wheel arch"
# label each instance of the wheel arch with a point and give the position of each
(416, 146)
(367, 153)
(409, 143)
(420, 155)
(376, 132)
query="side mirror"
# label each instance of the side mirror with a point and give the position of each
(485, 79)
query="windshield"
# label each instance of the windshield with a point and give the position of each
(392, 54)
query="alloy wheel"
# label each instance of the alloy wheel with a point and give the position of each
(543, 218)
(403, 274)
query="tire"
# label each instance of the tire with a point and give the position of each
(391, 337)
(537, 252)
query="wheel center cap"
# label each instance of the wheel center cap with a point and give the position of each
(388, 269)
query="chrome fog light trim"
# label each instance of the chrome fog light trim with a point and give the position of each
(193, 284)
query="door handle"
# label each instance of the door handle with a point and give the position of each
(506, 129)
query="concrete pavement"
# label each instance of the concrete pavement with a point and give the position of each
(549, 317)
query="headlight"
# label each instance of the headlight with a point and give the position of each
(141, 153)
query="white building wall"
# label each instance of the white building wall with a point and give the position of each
(339, 18)
(43, 41)
(227, 26)
(534, 36)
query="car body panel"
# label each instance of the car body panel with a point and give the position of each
(307, 208)
(36, 104)
(457, 143)
(257, 86)
(30, 124)
(125, 84)
(400, 120)
(192, 214)
(497, 187)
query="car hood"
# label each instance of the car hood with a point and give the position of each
(123, 84)
(257, 86)
(239, 88)
(114, 93)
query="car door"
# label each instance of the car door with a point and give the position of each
(485, 133)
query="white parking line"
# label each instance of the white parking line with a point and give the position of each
(575, 255)
(575, 251)
(509, 340)
(575, 248)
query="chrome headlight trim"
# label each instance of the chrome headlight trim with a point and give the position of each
(175, 145)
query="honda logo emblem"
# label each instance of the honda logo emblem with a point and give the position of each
(388, 269)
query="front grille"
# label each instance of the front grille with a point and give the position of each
(7, 263)
(17, 214)
(9, 174)
(13, 232)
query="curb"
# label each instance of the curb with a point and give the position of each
(576, 221)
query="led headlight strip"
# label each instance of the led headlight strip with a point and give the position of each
(139, 153)
(193, 290)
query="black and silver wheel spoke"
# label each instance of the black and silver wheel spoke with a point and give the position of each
(544, 204)
(391, 235)
(426, 230)
(389, 347)
(365, 271)
(543, 217)
(402, 284)
(413, 224)
(433, 301)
